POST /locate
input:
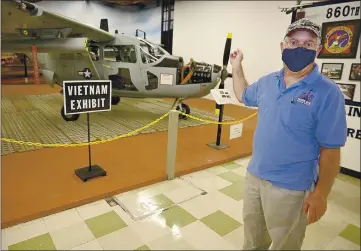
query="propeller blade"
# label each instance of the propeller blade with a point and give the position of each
(230, 75)
(227, 49)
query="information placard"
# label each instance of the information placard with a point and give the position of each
(224, 96)
(83, 96)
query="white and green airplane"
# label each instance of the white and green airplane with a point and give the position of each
(71, 50)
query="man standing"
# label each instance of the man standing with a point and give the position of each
(296, 149)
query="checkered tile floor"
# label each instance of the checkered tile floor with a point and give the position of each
(202, 210)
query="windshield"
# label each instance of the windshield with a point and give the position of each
(151, 52)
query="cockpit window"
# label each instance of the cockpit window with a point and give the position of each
(150, 52)
(120, 53)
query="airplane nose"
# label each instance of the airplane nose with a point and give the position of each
(216, 73)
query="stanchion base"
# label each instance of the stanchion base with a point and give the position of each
(84, 174)
(218, 147)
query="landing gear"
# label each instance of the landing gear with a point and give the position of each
(115, 100)
(185, 109)
(71, 117)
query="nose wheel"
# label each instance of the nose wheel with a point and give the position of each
(183, 108)
(71, 117)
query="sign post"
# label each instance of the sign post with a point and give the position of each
(85, 97)
(221, 96)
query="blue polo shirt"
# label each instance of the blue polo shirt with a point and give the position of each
(293, 124)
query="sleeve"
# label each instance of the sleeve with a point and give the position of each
(331, 130)
(250, 95)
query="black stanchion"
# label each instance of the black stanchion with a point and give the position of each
(90, 172)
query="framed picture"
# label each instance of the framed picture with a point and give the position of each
(340, 39)
(355, 72)
(348, 90)
(332, 70)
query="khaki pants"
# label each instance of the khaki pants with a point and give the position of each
(272, 215)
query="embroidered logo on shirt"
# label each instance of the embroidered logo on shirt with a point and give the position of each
(305, 98)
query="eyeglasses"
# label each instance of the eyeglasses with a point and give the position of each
(292, 43)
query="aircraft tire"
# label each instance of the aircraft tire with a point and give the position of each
(185, 109)
(71, 117)
(115, 100)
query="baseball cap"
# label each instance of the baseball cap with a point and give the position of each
(305, 23)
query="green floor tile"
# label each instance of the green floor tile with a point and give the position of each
(105, 224)
(161, 201)
(145, 247)
(231, 176)
(41, 242)
(235, 191)
(177, 216)
(231, 165)
(221, 223)
(351, 233)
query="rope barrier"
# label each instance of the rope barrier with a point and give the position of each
(123, 135)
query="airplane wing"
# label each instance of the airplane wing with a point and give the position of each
(21, 20)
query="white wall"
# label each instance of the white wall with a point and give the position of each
(350, 154)
(258, 27)
(124, 19)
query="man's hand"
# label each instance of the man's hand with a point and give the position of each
(236, 59)
(315, 205)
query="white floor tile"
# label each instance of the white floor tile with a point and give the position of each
(201, 206)
(183, 193)
(201, 237)
(94, 209)
(244, 161)
(63, 219)
(151, 228)
(25, 231)
(217, 170)
(91, 245)
(4, 242)
(123, 239)
(208, 183)
(340, 243)
(320, 234)
(230, 207)
(124, 215)
(236, 238)
(240, 171)
(170, 242)
(71, 236)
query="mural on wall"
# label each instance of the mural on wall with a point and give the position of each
(125, 19)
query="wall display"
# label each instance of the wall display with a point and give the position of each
(348, 90)
(355, 72)
(340, 39)
(332, 70)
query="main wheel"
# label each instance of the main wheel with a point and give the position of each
(185, 109)
(115, 100)
(71, 117)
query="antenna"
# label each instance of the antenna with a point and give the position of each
(136, 33)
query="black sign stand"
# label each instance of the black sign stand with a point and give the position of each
(219, 107)
(89, 172)
(85, 96)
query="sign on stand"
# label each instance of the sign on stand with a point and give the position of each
(224, 96)
(87, 96)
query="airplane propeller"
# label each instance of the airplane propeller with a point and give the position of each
(226, 54)
(224, 76)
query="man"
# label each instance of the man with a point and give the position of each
(301, 127)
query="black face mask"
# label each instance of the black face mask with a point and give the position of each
(298, 58)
